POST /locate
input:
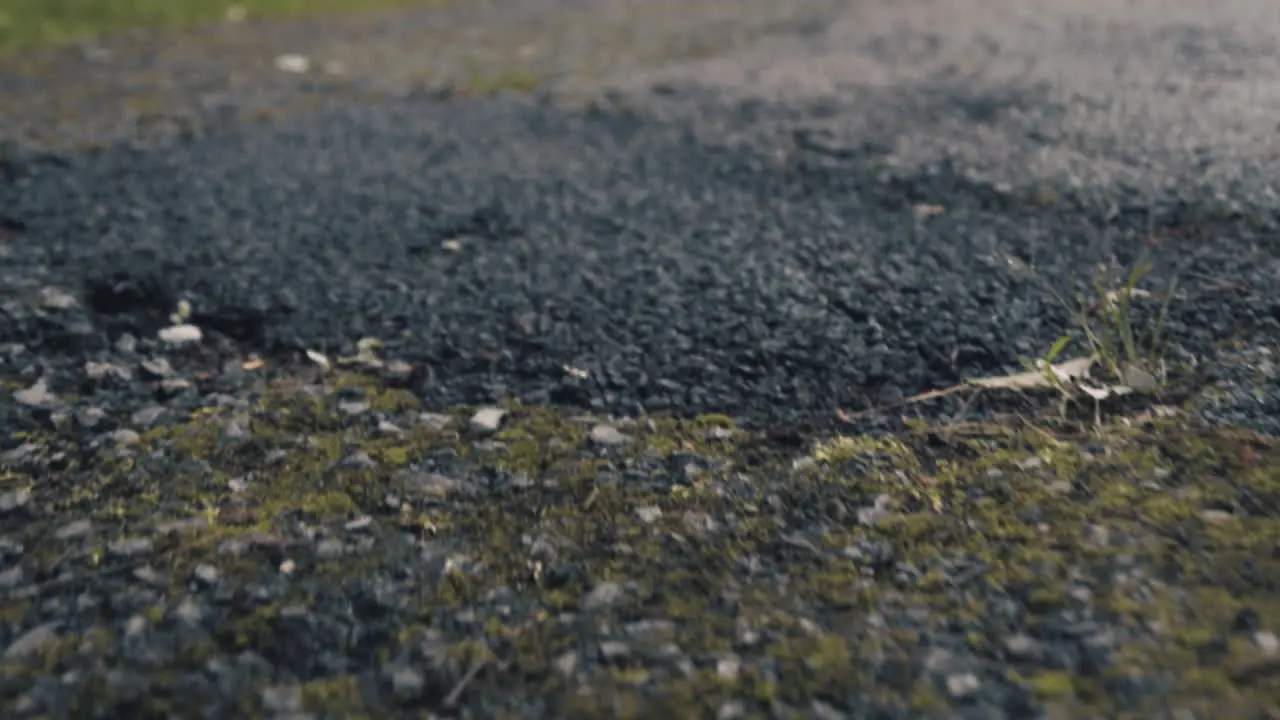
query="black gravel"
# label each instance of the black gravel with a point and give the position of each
(494, 243)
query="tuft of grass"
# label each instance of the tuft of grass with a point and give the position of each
(26, 24)
(1131, 356)
(1130, 351)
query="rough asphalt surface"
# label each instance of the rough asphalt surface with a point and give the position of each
(829, 206)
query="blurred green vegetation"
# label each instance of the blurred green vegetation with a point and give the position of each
(31, 23)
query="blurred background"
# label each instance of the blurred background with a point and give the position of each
(32, 23)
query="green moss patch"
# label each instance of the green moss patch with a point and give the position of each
(1122, 568)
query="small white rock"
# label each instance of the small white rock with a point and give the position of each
(1266, 642)
(962, 684)
(52, 297)
(1215, 516)
(293, 63)
(434, 421)
(648, 514)
(14, 499)
(319, 359)
(35, 396)
(487, 419)
(180, 334)
(566, 664)
(608, 436)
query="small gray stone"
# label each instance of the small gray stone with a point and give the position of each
(728, 667)
(191, 523)
(489, 447)
(330, 548)
(129, 547)
(157, 367)
(74, 529)
(36, 396)
(358, 460)
(57, 299)
(938, 659)
(14, 499)
(24, 454)
(135, 626)
(102, 371)
(603, 595)
(566, 663)
(434, 421)
(1138, 378)
(126, 437)
(147, 416)
(363, 522)
(282, 699)
(1098, 535)
(397, 371)
(1215, 516)
(1266, 642)
(148, 575)
(653, 631)
(173, 387)
(1021, 646)
(32, 641)
(432, 485)
(611, 650)
(189, 611)
(962, 685)
(353, 407)
(205, 573)
(608, 436)
(649, 514)
(11, 578)
(234, 429)
(407, 683)
(877, 511)
(1101, 640)
(699, 523)
(88, 418)
(389, 429)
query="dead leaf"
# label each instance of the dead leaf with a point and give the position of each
(1066, 372)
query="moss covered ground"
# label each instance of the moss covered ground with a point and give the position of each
(846, 557)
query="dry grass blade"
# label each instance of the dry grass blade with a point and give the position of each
(1066, 373)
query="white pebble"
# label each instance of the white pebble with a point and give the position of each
(181, 334)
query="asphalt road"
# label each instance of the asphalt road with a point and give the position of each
(753, 213)
(1052, 139)
(1112, 97)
